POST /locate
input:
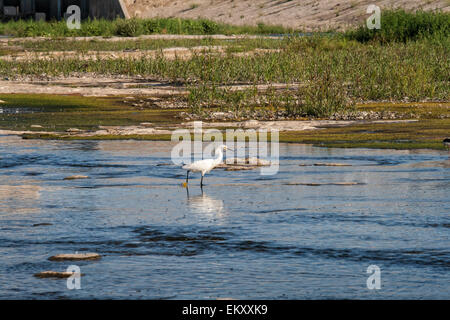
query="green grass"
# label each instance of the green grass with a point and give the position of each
(58, 113)
(402, 26)
(396, 26)
(408, 59)
(423, 134)
(416, 70)
(132, 27)
(334, 73)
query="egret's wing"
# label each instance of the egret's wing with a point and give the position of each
(199, 165)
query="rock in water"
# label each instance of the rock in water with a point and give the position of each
(313, 184)
(75, 257)
(346, 183)
(54, 274)
(74, 130)
(76, 177)
(42, 224)
(325, 164)
(253, 161)
(332, 165)
(238, 168)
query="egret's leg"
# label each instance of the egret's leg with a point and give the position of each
(187, 177)
(201, 182)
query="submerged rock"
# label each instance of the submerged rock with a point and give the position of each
(238, 168)
(75, 177)
(248, 161)
(75, 256)
(74, 130)
(332, 165)
(325, 164)
(313, 184)
(42, 224)
(54, 274)
(250, 124)
(346, 183)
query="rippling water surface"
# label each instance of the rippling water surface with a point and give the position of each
(246, 236)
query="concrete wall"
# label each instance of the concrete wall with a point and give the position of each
(107, 9)
(55, 9)
(27, 7)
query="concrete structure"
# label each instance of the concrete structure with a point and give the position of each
(55, 9)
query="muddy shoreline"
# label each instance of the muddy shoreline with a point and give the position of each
(148, 129)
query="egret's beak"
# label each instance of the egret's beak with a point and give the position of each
(226, 148)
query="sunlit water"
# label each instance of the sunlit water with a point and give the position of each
(248, 236)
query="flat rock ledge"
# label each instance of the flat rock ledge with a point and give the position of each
(54, 274)
(313, 184)
(43, 224)
(76, 177)
(237, 164)
(237, 168)
(249, 161)
(75, 257)
(325, 164)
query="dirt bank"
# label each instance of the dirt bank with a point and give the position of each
(305, 15)
(169, 54)
(91, 85)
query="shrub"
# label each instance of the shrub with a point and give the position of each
(402, 26)
(209, 27)
(151, 26)
(132, 27)
(128, 28)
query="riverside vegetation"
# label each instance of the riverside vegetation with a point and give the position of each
(321, 76)
(132, 28)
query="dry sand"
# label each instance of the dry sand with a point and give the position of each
(303, 14)
(168, 53)
(91, 85)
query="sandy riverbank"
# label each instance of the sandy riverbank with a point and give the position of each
(299, 14)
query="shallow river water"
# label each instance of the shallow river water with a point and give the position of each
(247, 236)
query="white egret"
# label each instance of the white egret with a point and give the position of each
(205, 166)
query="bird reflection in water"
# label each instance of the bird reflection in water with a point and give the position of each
(204, 204)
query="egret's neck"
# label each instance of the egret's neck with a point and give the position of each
(219, 155)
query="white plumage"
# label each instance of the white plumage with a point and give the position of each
(205, 166)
